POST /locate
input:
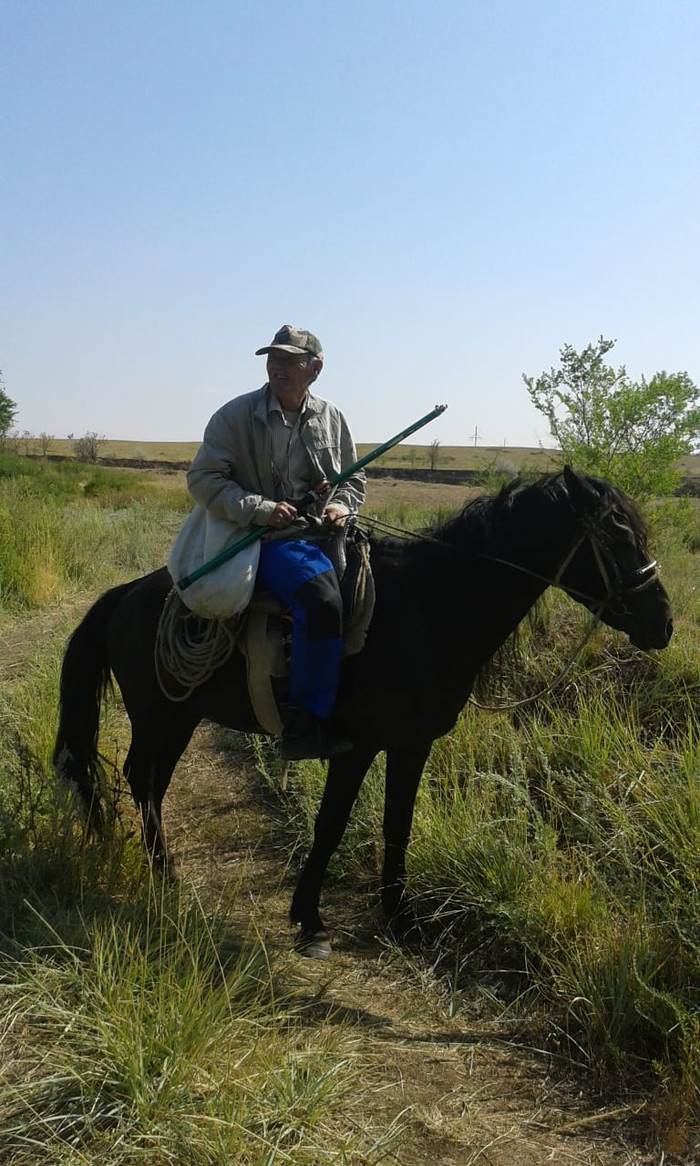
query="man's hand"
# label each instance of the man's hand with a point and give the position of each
(335, 515)
(283, 514)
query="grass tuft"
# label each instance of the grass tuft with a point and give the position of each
(162, 1038)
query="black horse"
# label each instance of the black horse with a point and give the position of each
(445, 602)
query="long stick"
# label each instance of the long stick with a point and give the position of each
(259, 531)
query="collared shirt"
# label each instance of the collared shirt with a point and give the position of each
(291, 464)
(232, 474)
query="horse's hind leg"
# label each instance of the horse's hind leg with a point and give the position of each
(404, 767)
(345, 776)
(157, 745)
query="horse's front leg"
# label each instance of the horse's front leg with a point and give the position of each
(404, 768)
(345, 776)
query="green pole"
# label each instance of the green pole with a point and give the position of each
(253, 535)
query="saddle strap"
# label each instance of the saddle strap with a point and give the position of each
(261, 663)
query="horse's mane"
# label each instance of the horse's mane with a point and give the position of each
(481, 522)
(482, 518)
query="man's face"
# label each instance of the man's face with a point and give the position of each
(290, 376)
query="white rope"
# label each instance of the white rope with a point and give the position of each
(189, 649)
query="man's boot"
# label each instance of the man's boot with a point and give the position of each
(305, 736)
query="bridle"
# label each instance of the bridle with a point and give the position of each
(636, 581)
(617, 588)
(631, 584)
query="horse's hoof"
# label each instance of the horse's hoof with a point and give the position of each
(313, 945)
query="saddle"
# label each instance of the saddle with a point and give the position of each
(266, 625)
(189, 648)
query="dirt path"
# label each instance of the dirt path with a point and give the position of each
(464, 1095)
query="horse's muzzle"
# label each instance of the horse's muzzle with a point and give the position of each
(646, 637)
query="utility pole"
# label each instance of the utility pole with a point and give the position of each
(475, 435)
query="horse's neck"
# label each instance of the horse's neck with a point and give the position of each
(495, 579)
(534, 538)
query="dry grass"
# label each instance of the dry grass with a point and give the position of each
(452, 457)
(146, 451)
(487, 459)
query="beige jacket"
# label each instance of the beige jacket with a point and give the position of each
(232, 474)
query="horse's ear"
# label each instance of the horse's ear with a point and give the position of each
(583, 495)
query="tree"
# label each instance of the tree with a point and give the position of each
(87, 448)
(433, 453)
(631, 432)
(8, 412)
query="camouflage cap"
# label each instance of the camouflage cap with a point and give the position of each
(294, 340)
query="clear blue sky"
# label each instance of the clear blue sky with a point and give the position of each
(446, 192)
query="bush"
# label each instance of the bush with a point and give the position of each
(87, 448)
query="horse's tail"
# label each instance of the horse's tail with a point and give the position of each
(85, 679)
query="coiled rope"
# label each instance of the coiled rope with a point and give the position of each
(189, 649)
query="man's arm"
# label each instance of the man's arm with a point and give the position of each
(211, 483)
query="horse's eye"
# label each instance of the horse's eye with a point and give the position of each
(621, 522)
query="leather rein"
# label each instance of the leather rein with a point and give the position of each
(632, 584)
(646, 574)
(639, 580)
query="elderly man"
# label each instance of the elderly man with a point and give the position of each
(260, 452)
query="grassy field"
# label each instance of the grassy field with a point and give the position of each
(555, 861)
(409, 456)
(490, 461)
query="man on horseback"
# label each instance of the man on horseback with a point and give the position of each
(260, 453)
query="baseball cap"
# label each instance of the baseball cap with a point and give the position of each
(294, 340)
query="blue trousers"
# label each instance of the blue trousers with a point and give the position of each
(301, 577)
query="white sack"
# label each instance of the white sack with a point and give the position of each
(228, 588)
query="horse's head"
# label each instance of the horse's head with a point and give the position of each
(609, 568)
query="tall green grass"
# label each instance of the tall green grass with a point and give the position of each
(72, 481)
(137, 1026)
(157, 1034)
(140, 1027)
(65, 532)
(555, 855)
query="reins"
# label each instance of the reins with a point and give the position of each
(649, 568)
(587, 532)
(648, 573)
